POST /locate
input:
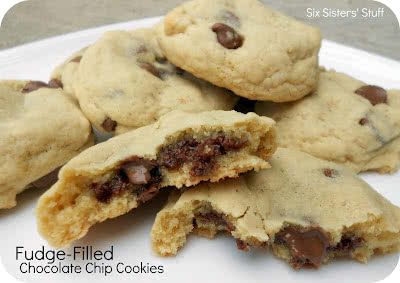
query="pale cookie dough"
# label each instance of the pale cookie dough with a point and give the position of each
(125, 82)
(181, 149)
(344, 121)
(40, 130)
(243, 46)
(66, 72)
(308, 210)
(209, 208)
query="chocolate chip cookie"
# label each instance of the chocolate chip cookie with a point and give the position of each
(125, 82)
(40, 130)
(181, 149)
(66, 72)
(345, 121)
(244, 46)
(306, 209)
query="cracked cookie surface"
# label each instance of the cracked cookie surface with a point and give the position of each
(40, 130)
(125, 82)
(181, 149)
(307, 209)
(244, 46)
(345, 121)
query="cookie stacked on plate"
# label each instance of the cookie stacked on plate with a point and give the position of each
(167, 93)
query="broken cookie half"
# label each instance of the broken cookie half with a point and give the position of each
(209, 208)
(181, 149)
(308, 210)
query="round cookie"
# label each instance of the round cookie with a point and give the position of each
(181, 149)
(40, 130)
(124, 82)
(244, 46)
(344, 121)
(66, 72)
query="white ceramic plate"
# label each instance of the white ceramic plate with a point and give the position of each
(201, 260)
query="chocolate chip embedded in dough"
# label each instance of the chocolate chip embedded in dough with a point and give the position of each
(151, 69)
(138, 170)
(346, 245)
(109, 125)
(55, 83)
(227, 36)
(33, 85)
(374, 94)
(242, 245)
(329, 173)
(363, 121)
(307, 246)
(115, 186)
(76, 59)
(147, 193)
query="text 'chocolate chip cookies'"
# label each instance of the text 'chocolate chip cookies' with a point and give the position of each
(241, 45)
(306, 216)
(124, 82)
(40, 130)
(167, 94)
(344, 121)
(181, 149)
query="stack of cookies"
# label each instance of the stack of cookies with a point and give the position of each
(225, 102)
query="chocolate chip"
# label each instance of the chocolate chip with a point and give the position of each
(330, 173)
(151, 189)
(138, 170)
(151, 69)
(227, 36)
(242, 245)
(33, 85)
(374, 94)
(346, 245)
(201, 155)
(76, 59)
(307, 246)
(363, 121)
(55, 83)
(137, 174)
(109, 125)
(115, 186)
(213, 217)
(147, 193)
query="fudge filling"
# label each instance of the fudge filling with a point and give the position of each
(135, 174)
(220, 224)
(309, 246)
(143, 177)
(215, 218)
(201, 155)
